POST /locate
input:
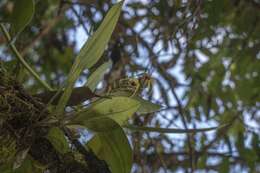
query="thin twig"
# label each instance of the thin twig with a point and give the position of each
(80, 20)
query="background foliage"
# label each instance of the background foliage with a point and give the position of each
(204, 56)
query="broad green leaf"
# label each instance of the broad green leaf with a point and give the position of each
(114, 148)
(97, 75)
(100, 124)
(91, 52)
(145, 105)
(117, 108)
(58, 140)
(22, 15)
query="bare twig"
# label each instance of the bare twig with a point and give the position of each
(80, 20)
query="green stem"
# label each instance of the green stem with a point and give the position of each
(168, 130)
(21, 59)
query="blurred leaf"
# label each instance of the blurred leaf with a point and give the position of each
(237, 127)
(97, 75)
(114, 148)
(91, 52)
(224, 166)
(256, 144)
(202, 161)
(21, 16)
(58, 140)
(250, 156)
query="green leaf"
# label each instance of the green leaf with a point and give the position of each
(146, 106)
(97, 75)
(100, 124)
(117, 108)
(58, 140)
(90, 52)
(21, 16)
(114, 148)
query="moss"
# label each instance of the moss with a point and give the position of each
(19, 116)
(21, 127)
